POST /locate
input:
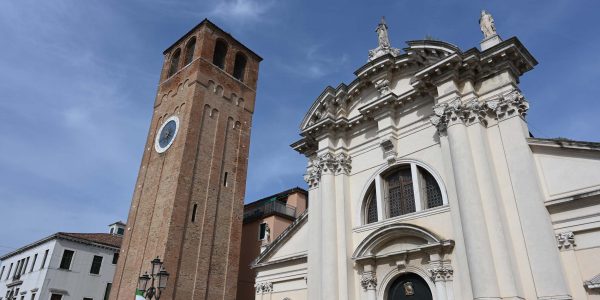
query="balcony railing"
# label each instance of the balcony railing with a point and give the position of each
(268, 208)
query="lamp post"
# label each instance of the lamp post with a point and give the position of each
(158, 273)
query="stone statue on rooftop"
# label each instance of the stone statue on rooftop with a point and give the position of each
(486, 22)
(383, 42)
(382, 34)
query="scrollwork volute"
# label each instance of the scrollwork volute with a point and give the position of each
(368, 281)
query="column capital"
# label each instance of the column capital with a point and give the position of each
(264, 287)
(566, 240)
(507, 105)
(327, 163)
(441, 273)
(368, 280)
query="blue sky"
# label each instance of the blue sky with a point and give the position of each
(78, 79)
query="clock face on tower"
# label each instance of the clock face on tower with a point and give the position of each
(166, 134)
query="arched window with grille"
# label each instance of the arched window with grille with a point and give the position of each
(189, 51)
(239, 66)
(371, 208)
(174, 62)
(220, 54)
(405, 189)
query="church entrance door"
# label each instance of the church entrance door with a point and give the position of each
(410, 287)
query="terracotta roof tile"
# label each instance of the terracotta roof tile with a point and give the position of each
(107, 239)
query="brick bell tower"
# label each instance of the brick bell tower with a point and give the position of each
(187, 206)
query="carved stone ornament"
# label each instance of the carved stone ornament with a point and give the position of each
(441, 273)
(508, 105)
(565, 240)
(368, 281)
(340, 163)
(383, 42)
(389, 152)
(383, 86)
(264, 287)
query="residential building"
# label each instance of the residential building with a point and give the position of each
(62, 266)
(264, 221)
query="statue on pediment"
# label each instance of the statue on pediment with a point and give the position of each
(486, 22)
(383, 42)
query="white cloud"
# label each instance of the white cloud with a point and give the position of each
(241, 10)
(314, 64)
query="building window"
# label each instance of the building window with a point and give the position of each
(25, 266)
(107, 291)
(404, 189)
(262, 231)
(430, 190)
(84, 298)
(239, 66)
(96, 264)
(194, 209)
(174, 62)
(33, 263)
(371, 207)
(112, 230)
(400, 193)
(56, 297)
(189, 51)
(220, 54)
(2, 272)
(115, 258)
(32, 296)
(65, 262)
(44, 260)
(120, 231)
(9, 269)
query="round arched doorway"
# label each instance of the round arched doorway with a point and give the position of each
(410, 287)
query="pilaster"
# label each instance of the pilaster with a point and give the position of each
(547, 272)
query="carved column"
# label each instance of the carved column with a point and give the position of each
(566, 245)
(449, 118)
(329, 263)
(368, 282)
(313, 178)
(343, 166)
(548, 275)
(475, 112)
(440, 276)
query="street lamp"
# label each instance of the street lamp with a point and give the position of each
(157, 273)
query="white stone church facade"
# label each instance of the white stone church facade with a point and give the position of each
(425, 183)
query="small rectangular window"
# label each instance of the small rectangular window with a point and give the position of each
(225, 179)
(194, 209)
(115, 258)
(262, 231)
(2, 272)
(33, 296)
(96, 264)
(120, 231)
(44, 260)
(84, 298)
(107, 291)
(33, 263)
(25, 266)
(56, 297)
(65, 262)
(9, 269)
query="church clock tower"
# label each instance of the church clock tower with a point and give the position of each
(187, 206)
